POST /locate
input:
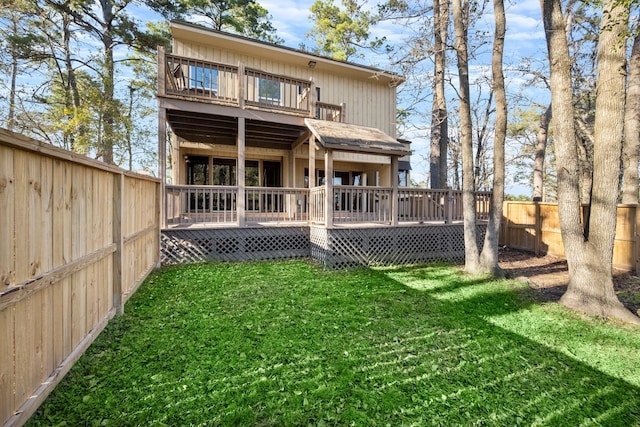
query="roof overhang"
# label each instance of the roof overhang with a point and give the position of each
(359, 139)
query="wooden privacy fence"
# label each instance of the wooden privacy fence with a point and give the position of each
(76, 239)
(535, 227)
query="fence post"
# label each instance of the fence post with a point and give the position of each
(636, 241)
(118, 193)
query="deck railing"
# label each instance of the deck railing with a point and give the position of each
(188, 204)
(239, 86)
(191, 204)
(361, 204)
(276, 204)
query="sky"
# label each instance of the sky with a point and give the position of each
(525, 38)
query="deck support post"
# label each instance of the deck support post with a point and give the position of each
(162, 163)
(312, 162)
(240, 201)
(394, 190)
(328, 195)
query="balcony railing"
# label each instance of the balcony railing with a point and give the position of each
(243, 87)
(190, 204)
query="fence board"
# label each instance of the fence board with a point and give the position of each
(7, 225)
(57, 261)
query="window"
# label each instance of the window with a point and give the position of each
(224, 172)
(402, 178)
(203, 78)
(269, 91)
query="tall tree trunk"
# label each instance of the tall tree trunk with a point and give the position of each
(11, 116)
(460, 21)
(631, 144)
(589, 257)
(541, 150)
(108, 113)
(489, 255)
(439, 120)
(444, 119)
(72, 84)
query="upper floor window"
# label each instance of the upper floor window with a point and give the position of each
(269, 91)
(203, 78)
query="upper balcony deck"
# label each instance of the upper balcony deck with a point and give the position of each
(216, 83)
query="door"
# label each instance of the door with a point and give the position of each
(272, 177)
(198, 174)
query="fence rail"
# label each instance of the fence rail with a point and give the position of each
(78, 237)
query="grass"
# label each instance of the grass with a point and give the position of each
(286, 343)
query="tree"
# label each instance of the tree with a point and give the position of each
(17, 20)
(589, 249)
(460, 11)
(439, 119)
(489, 254)
(541, 148)
(341, 31)
(631, 144)
(109, 24)
(245, 17)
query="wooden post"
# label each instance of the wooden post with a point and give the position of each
(118, 194)
(394, 190)
(312, 161)
(162, 163)
(328, 195)
(162, 73)
(241, 84)
(636, 241)
(312, 100)
(343, 112)
(449, 206)
(240, 201)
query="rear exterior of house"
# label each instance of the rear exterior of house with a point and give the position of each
(256, 129)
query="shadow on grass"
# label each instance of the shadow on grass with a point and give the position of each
(287, 344)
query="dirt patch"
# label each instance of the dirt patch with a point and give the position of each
(548, 275)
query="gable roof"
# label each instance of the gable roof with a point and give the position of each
(189, 31)
(348, 137)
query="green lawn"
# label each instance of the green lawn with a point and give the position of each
(286, 343)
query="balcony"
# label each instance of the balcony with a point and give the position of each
(237, 86)
(210, 206)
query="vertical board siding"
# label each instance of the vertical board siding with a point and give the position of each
(368, 102)
(57, 260)
(536, 227)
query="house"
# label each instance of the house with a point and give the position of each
(256, 129)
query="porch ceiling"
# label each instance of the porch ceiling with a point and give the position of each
(218, 129)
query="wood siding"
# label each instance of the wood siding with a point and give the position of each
(78, 237)
(368, 102)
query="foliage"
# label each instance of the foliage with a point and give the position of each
(287, 343)
(341, 32)
(245, 17)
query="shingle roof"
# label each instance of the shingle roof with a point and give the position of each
(348, 137)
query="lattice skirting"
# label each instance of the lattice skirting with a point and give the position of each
(233, 244)
(340, 248)
(333, 248)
